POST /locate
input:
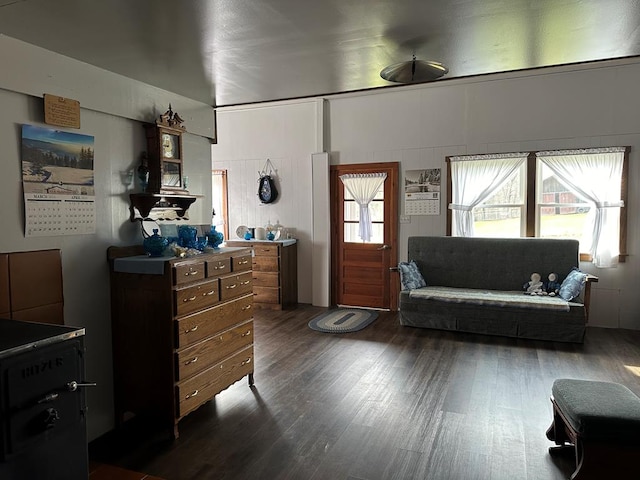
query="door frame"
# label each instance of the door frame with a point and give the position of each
(393, 174)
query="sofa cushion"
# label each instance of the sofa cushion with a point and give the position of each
(572, 285)
(410, 276)
(493, 298)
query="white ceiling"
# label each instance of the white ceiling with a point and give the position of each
(227, 52)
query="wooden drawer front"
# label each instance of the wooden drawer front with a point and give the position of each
(266, 295)
(241, 264)
(197, 297)
(266, 279)
(235, 285)
(195, 327)
(261, 250)
(215, 268)
(188, 273)
(197, 390)
(266, 264)
(213, 349)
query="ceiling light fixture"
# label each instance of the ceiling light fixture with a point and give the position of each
(414, 71)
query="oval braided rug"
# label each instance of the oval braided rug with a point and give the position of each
(342, 320)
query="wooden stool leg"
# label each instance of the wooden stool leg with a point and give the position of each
(557, 432)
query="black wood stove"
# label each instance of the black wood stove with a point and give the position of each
(42, 402)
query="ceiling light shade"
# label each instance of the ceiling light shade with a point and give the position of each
(414, 71)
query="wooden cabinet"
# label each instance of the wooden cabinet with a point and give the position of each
(275, 272)
(182, 330)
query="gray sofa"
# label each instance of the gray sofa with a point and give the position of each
(476, 285)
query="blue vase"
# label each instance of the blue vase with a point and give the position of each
(155, 244)
(202, 242)
(215, 237)
(188, 236)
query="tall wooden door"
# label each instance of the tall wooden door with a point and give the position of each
(361, 275)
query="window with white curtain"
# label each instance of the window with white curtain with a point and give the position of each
(480, 185)
(577, 194)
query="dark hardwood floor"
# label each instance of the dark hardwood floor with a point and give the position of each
(388, 402)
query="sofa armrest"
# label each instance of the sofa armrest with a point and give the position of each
(587, 293)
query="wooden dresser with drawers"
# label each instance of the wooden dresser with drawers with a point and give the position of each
(275, 272)
(182, 330)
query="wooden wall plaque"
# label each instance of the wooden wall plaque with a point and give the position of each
(60, 111)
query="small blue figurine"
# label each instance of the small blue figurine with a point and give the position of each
(215, 237)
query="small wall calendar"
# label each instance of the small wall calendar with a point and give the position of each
(422, 192)
(57, 179)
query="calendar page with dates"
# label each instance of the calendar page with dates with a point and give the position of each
(58, 183)
(422, 192)
(49, 215)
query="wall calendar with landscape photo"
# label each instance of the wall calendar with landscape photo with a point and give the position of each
(58, 183)
(422, 192)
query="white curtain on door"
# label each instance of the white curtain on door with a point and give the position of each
(595, 174)
(474, 178)
(363, 188)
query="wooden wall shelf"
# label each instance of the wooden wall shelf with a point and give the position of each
(157, 206)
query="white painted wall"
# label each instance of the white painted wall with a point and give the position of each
(287, 134)
(112, 108)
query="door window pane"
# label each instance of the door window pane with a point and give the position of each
(352, 217)
(351, 233)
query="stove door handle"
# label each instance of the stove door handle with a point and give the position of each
(73, 385)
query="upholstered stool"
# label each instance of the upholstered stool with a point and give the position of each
(601, 421)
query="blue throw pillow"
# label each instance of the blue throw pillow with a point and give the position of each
(572, 285)
(410, 276)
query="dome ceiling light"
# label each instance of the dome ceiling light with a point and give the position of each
(414, 71)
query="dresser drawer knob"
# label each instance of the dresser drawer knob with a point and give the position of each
(247, 361)
(219, 267)
(190, 299)
(193, 360)
(245, 283)
(232, 286)
(192, 394)
(246, 307)
(208, 293)
(192, 329)
(191, 272)
(248, 332)
(244, 262)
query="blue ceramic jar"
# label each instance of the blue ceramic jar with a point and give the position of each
(188, 236)
(215, 237)
(155, 244)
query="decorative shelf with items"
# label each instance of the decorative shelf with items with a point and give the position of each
(160, 206)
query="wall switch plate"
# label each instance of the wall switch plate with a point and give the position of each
(405, 219)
